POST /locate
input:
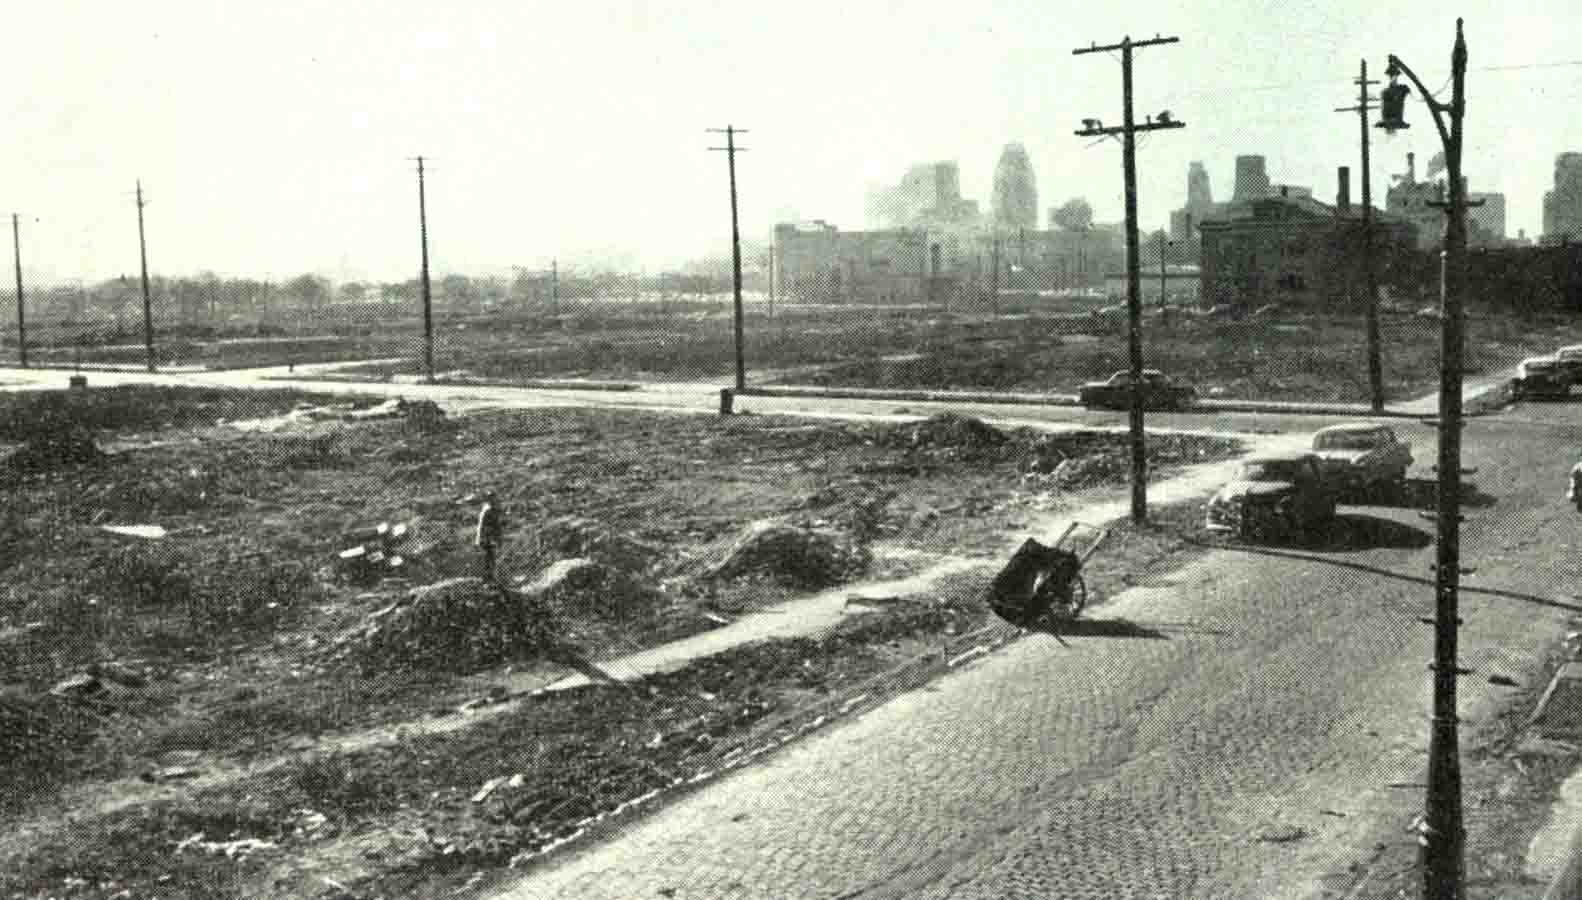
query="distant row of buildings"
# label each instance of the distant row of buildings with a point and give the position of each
(1271, 242)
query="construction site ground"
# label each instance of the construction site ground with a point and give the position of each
(222, 678)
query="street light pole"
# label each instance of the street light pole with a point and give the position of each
(1443, 837)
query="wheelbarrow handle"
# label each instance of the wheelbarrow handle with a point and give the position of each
(1094, 547)
(1065, 534)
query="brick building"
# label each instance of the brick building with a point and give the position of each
(1293, 249)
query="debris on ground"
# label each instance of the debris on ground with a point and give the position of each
(592, 591)
(575, 536)
(802, 556)
(53, 449)
(1088, 471)
(460, 624)
(150, 532)
(951, 431)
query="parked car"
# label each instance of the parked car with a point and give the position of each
(1540, 376)
(1273, 493)
(1159, 391)
(1571, 361)
(1363, 457)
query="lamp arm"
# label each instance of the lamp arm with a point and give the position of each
(1434, 106)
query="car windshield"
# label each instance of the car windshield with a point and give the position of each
(1348, 440)
(1270, 470)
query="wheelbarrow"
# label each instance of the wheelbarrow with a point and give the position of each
(1044, 582)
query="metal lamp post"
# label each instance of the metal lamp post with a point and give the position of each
(1443, 835)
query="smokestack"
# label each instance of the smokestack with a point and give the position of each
(1343, 195)
(1411, 168)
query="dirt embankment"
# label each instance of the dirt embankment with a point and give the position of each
(248, 634)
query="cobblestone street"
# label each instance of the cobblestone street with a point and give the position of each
(1231, 732)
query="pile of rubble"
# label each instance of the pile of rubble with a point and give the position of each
(459, 625)
(951, 436)
(805, 557)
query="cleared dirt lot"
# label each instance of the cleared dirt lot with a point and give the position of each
(233, 709)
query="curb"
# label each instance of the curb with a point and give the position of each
(1492, 398)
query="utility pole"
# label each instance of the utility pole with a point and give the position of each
(731, 150)
(1443, 837)
(1370, 273)
(148, 305)
(428, 310)
(994, 275)
(21, 319)
(771, 281)
(1163, 292)
(554, 285)
(1134, 310)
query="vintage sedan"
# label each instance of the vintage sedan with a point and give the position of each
(1571, 361)
(1273, 493)
(1159, 391)
(1541, 376)
(1362, 457)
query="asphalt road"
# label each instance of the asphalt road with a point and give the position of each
(1233, 730)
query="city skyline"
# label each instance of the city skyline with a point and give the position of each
(277, 141)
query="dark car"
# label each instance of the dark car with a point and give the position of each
(1158, 391)
(1541, 376)
(1282, 493)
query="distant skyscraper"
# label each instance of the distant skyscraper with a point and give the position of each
(1563, 205)
(1199, 195)
(1252, 179)
(1199, 205)
(1015, 202)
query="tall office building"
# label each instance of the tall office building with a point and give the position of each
(1015, 200)
(1563, 205)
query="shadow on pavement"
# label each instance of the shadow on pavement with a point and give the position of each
(1375, 570)
(1115, 628)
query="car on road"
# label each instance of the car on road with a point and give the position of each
(1571, 361)
(1362, 458)
(1158, 390)
(1273, 493)
(1540, 376)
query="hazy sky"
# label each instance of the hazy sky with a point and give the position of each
(274, 138)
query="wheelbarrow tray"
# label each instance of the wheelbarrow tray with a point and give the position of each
(1035, 575)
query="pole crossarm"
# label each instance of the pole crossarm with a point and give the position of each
(1124, 44)
(1122, 129)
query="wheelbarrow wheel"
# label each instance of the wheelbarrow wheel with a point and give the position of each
(1067, 604)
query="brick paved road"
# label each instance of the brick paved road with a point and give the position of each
(1239, 744)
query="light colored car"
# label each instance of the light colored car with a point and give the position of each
(1282, 493)
(1361, 457)
(1540, 376)
(1571, 361)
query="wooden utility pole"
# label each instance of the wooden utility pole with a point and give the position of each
(994, 274)
(148, 305)
(1163, 276)
(1370, 272)
(21, 318)
(731, 150)
(1134, 311)
(428, 308)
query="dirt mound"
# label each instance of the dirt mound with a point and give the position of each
(574, 536)
(955, 432)
(1095, 469)
(459, 625)
(801, 556)
(589, 590)
(54, 450)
